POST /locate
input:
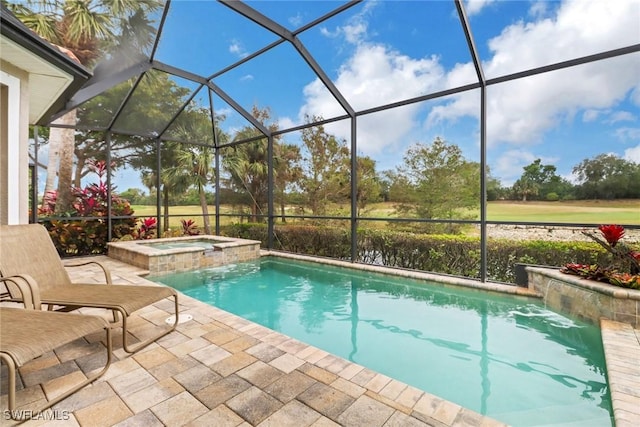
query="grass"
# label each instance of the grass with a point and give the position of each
(583, 211)
(578, 211)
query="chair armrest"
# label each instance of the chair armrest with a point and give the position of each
(28, 289)
(107, 274)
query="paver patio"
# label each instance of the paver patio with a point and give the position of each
(221, 370)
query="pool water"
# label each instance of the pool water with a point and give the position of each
(503, 356)
(198, 243)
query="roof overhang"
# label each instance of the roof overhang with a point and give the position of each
(53, 76)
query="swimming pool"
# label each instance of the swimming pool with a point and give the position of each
(503, 356)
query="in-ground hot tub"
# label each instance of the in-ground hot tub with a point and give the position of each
(172, 254)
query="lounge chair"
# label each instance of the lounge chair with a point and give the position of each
(28, 333)
(27, 251)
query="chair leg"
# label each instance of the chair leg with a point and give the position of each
(11, 367)
(141, 345)
(28, 414)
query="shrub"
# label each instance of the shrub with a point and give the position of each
(88, 236)
(449, 254)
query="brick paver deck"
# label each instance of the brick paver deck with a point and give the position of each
(221, 370)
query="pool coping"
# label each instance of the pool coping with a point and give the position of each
(411, 274)
(332, 371)
(621, 344)
(621, 341)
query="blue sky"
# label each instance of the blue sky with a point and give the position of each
(385, 51)
(380, 52)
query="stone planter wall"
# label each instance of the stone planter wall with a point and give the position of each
(586, 299)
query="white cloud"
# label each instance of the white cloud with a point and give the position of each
(285, 123)
(474, 7)
(632, 154)
(225, 111)
(591, 115)
(538, 9)
(328, 33)
(509, 165)
(237, 49)
(518, 112)
(246, 77)
(356, 30)
(296, 20)
(521, 112)
(628, 134)
(621, 116)
(373, 76)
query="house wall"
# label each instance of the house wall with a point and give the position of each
(14, 144)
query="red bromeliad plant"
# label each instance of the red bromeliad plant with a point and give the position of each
(625, 264)
(88, 233)
(189, 227)
(146, 229)
(612, 233)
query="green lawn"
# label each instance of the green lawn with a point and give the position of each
(583, 211)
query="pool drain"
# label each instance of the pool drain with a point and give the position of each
(181, 319)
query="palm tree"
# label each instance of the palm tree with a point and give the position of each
(86, 28)
(247, 165)
(287, 171)
(525, 187)
(197, 160)
(174, 179)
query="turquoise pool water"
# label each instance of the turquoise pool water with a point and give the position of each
(195, 243)
(503, 356)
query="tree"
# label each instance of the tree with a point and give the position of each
(248, 164)
(287, 171)
(538, 180)
(126, 149)
(440, 182)
(394, 187)
(173, 178)
(368, 189)
(135, 196)
(525, 188)
(607, 176)
(325, 163)
(494, 188)
(85, 29)
(197, 160)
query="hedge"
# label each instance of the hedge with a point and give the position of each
(450, 254)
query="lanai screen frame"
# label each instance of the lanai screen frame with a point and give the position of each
(104, 82)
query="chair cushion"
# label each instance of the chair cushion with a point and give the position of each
(127, 297)
(27, 334)
(28, 249)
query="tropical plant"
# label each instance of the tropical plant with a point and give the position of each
(85, 30)
(189, 227)
(145, 229)
(624, 266)
(88, 236)
(247, 163)
(197, 160)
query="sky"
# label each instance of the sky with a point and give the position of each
(380, 52)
